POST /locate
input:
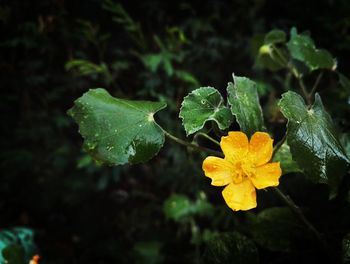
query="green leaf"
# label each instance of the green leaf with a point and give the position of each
(148, 252)
(187, 77)
(231, 248)
(152, 61)
(179, 207)
(275, 229)
(345, 141)
(284, 156)
(274, 37)
(85, 67)
(245, 106)
(17, 243)
(346, 249)
(270, 61)
(202, 105)
(302, 47)
(117, 131)
(313, 140)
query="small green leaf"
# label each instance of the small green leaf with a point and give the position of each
(284, 156)
(270, 60)
(187, 77)
(117, 131)
(275, 36)
(275, 229)
(85, 67)
(244, 101)
(179, 207)
(148, 252)
(231, 248)
(202, 105)
(17, 244)
(313, 140)
(152, 61)
(346, 249)
(302, 48)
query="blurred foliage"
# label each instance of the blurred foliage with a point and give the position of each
(54, 51)
(17, 245)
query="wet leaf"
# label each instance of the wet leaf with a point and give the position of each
(313, 141)
(202, 105)
(302, 48)
(285, 158)
(245, 106)
(117, 131)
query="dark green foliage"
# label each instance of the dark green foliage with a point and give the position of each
(313, 140)
(52, 52)
(231, 248)
(17, 245)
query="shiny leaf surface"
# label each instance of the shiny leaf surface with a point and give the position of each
(117, 131)
(231, 248)
(285, 158)
(313, 140)
(202, 105)
(245, 106)
(302, 48)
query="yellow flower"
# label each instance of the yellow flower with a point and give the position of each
(244, 168)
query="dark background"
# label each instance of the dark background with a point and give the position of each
(85, 213)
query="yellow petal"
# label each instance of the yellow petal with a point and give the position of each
(219, 170)
(267, 175)
(234, 146)
(260, 148)
(241, 196)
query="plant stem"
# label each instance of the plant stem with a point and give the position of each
(296, 210)
(191, 145)
(317, 82)
(207, 137)
(284, 60)
(278, 145)
(304, 90)
(296, 74)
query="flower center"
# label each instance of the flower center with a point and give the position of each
(242, 171)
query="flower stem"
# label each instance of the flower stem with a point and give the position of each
(278, 145)
(207, 137)
(296, 210)
(191, 145)
(296, 74)
(317, 82)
